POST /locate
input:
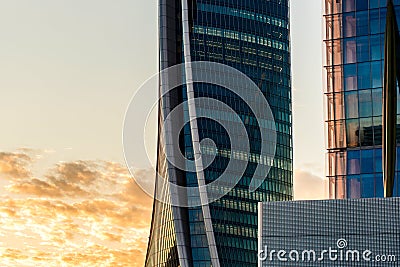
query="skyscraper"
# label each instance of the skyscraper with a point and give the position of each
(354, 71)
(252, 37)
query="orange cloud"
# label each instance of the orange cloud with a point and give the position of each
(82, 213)
(35, 187)
(14, 165)
(79, 172)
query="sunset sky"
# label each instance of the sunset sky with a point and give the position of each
(68, 70)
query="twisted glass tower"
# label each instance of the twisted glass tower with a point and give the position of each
(355, 38)
(251, 36)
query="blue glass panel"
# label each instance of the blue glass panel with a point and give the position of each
(379, 185)
(349, 50)
(382, 18)
(375, 47)
(353, 162)
(374, 21)
(373, 3)
(398, 159)
(367, 161)
(348, 5)
(351, 102)
(366, 132)
(362, 22)
(361, 4)
(364, 75)
(349, 27)
(383, 3)
(377, 102)
(350, 77)
(376, 74)
(352, 132)
(377, 130)
(378, 160)
(363, 49)
(353, 186)
(367, 186)
(396, 191)
(365, 103)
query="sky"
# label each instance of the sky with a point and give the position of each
(69, 70)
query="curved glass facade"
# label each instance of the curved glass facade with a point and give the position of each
(253, 37)
(354, 70)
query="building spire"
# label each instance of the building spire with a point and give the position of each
(391, 76)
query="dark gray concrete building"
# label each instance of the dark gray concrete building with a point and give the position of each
(356, 232)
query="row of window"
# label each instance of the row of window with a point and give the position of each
(366, 161)
(246, 37)
(365, 132)
(241, 13)
(363, 103)
(275, 8)
(353, 5)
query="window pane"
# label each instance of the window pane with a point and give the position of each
(376, 74)
(363, 49)
(377, 130)
(361, 4)
(353, 187)
(382, 23)
(349, 26)
(378, 160)
(374, 21)
(375, 44)
(377, 102)
(362, 22)
(353, 162)
(373, 3)
(348, 5)
(367, 161)
(349, 50)
(367, 186)
(398, 161)
(352, 132)
(396, 184)
(365, 103)
(351, 104)
(364, 75)
(350, 77)
(366, 132)
(379, 185)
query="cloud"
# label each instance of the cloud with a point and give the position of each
(132, 193)
(308, 186)
(35, 187)
(95, 255)
(84, 213)
(83, 179)
(79, 213)
(79, 172)
(15, 165)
